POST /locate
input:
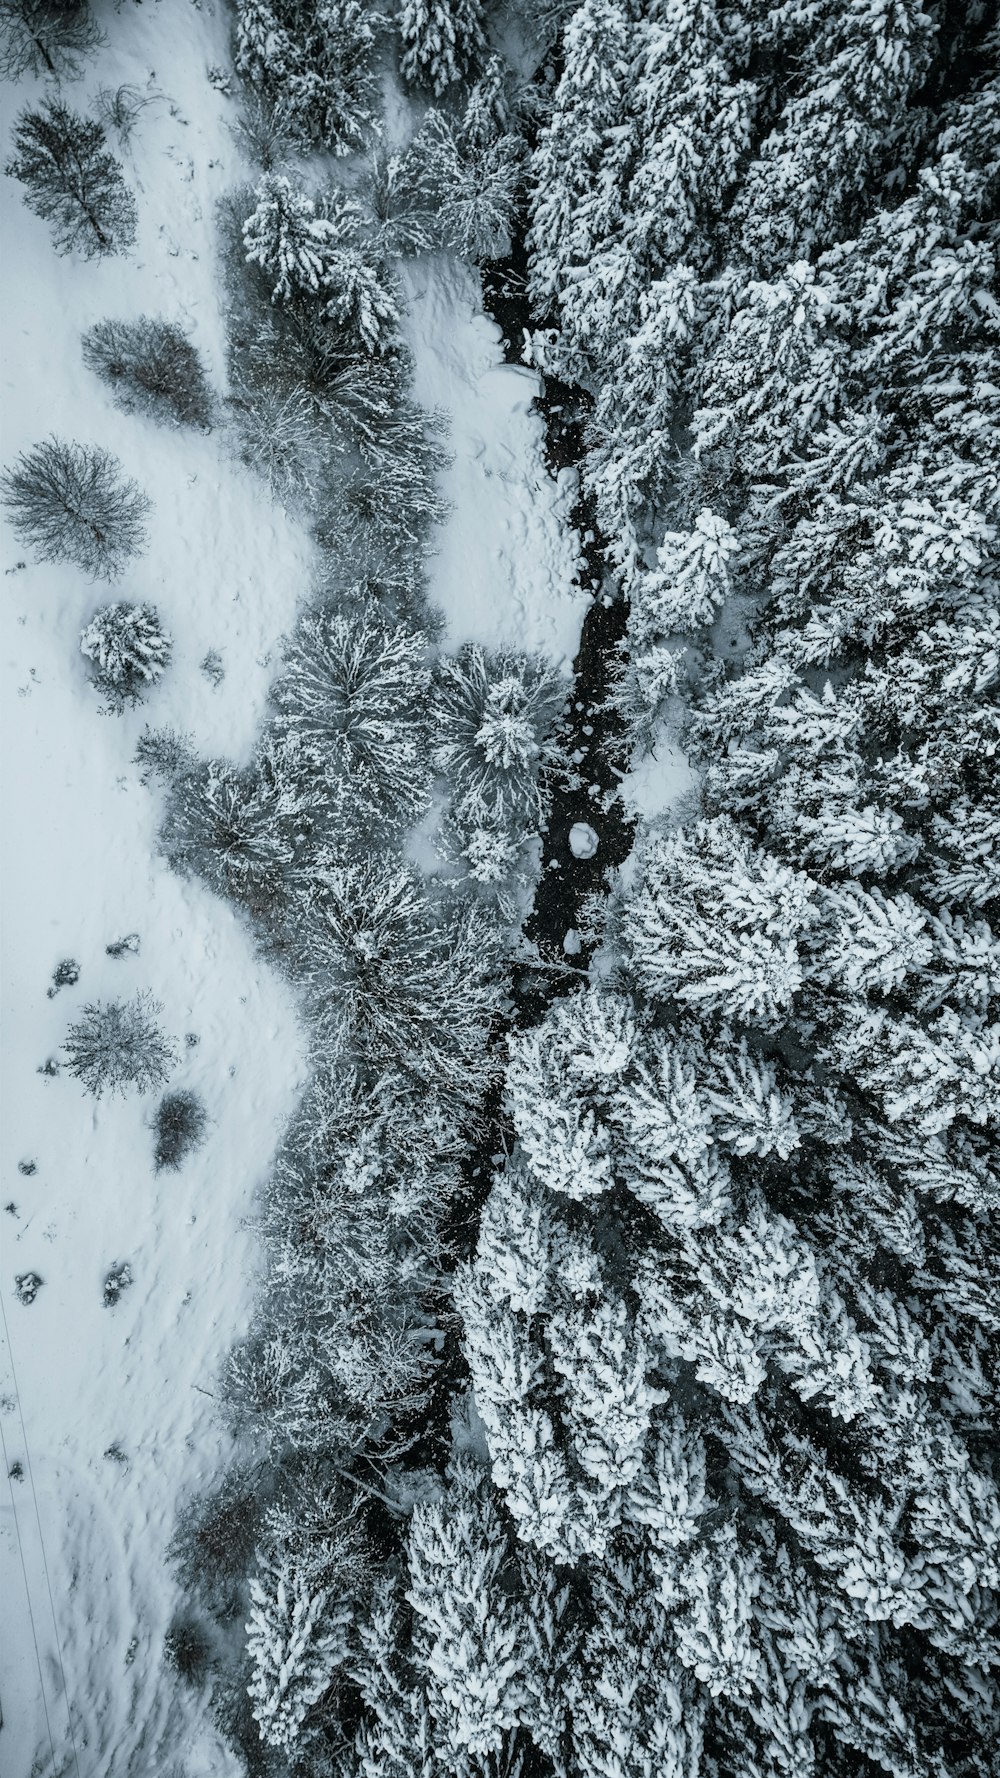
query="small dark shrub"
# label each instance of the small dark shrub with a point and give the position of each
(16, 1470)
(27, 1168)
(65, 975)
(152, 367)
(117, 1280)
(26, 1286)
(123, 947)
(120, 107)
(213, 668)
(180, 1127)
(188, 1648)
(49, 1067)
(117, 1044)
(115, 1454)
(216, 1539)
(71, 504)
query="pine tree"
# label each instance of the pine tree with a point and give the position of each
(72, 182)
(392, 985)
(46, 37)
(353, 696)
(316, 59)
(442, 42)
(295, 1642)
(316, 256)
(493, 715)
(69, 503)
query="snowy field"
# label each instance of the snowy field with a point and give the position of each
(104, 1408)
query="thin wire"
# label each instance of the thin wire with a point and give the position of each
(27, 1589)
(41, 1542)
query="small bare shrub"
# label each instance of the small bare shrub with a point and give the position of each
(152, 368)
(117, 1044)
(70, 503)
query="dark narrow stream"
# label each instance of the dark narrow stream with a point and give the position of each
(595, 736)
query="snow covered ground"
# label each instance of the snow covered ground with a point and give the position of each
(505, 565)
(115, 1429)
(226, 569)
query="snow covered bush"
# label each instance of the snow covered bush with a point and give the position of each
(46, 37)
(65, 975)
(378, 517)
(179, 1124)
(353, 695)
(129, 650)
(117, 1044)
(401, 203)
(70, 503)
(315, 58)
(163, 754)
(152, 368)
(442, 42)
(281, 438)
(72, 182)
(117, 1279)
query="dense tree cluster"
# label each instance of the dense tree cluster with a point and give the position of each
(727, 1322)
(372, 731)
(670, 1446)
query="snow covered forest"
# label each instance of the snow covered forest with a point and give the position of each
(501, 944)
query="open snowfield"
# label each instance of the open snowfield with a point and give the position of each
(83, 1645)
